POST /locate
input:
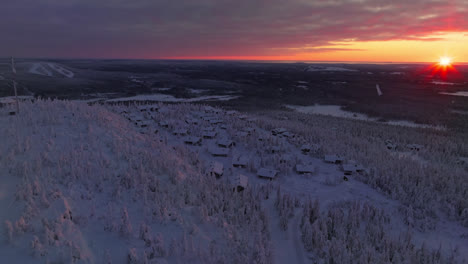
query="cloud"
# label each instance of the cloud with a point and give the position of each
(169, 28)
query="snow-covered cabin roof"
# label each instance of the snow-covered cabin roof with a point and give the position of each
(277, 131)
(242, 181)
(287, 134)
(333, 158)
(207, 117)
(248, 130)
(243, 117)
(209, 134)
(192, 140)
(304, 168)
(208, 109)
(180, 132)
(145, 123)
(306, 148)
(216, 121)
(222, 152)
(164, 123)
(191, 121)
(349, 168)
(267, 173)
(240, 161)
(216, 168)
(225, 143)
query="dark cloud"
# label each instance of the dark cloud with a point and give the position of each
(168, 28)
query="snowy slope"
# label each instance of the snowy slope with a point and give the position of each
(80, 184)
(116, 184)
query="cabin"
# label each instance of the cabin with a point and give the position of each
(135, 118)
(209, 109)
(335, 159)
(278, 131)
(164, 124)
(359, 168)
(348, 169)
(306, 149)
(207, 118)
(191, 121)
(148, 108)
(219, 152)
(216, 121)
(275, 149)
(223, 126)
(287, 134)
(241, 182)
(216, 169)
(285, 158)
(231, 113)
(303, 169)
(243, 117)
(225, 143)
(242, 134)
(209, 134)
(249, 130)
(240, 162)
(390, 145)
(144, 108)
(196, 141)
(265, 173)
(144, 124)
(180, 132)
(414, 147)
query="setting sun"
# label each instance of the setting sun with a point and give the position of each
(445, 61)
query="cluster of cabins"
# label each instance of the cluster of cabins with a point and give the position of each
(222, 146)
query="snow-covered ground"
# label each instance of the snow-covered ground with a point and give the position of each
(119, 183)
(38, 68)
(12, 99)
(460, 93)
(172, 99)
(61, 70)
(443, 83)
(48, 69)
(336, 111)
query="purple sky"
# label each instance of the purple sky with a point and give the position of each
(175, 28)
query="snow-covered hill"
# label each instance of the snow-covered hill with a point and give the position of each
(158, 183)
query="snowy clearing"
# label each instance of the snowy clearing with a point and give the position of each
(379, 92)
(336, 111)
(443, 83)
(172, 99)
(12, 99)
(38, 68)
(61, 70)
(461, 93)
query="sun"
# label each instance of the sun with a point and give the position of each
(445, 61)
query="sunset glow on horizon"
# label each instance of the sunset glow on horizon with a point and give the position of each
(296, 30)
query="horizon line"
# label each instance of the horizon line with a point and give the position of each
(235, 60)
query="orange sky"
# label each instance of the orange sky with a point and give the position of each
(453, 45)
